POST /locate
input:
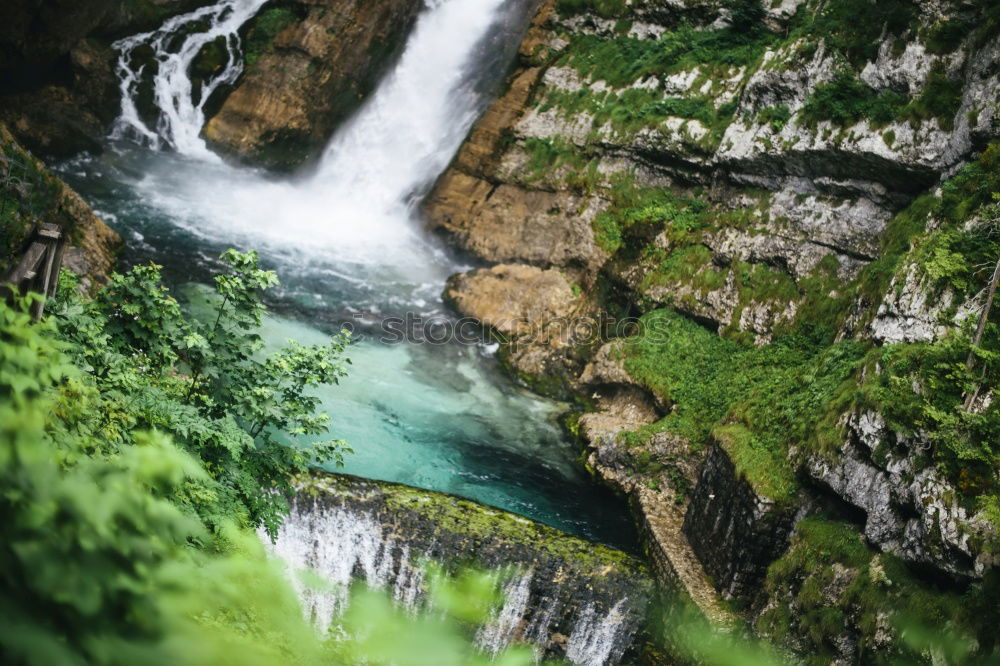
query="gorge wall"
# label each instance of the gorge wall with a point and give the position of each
(794, 199)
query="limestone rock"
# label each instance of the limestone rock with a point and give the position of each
(911, 512)
(607, 367)
(315, 73)
(537, 314)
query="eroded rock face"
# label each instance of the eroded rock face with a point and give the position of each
(315, 72)
(912, 512)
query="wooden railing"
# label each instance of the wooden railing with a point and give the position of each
(38, 269)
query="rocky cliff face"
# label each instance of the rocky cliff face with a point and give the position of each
(809, 184)
(311, 64)
(735, 532)
(804, 145)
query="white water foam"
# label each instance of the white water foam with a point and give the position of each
(598, 639)
(501, 630)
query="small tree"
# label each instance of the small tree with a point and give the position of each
(205, 381)
(992, 223)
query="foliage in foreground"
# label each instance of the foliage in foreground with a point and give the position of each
(107, 555)
(149, 364)
(123, 544)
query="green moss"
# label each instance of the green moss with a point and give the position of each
(263, 29)
(546, 156)
(29, 193)
(643, 212)
(766, 469)
(466, 518)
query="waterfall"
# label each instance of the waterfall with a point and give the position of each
(358, 551)
(340, 544)
(180, 116)
(359, 200)
(503, 627)
(597, 639)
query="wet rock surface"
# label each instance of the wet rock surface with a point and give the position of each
(325, 58)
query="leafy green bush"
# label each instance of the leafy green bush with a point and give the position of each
(941, 98)
(847, 100)
(602, 8)
(775, 116)
(946, 36)
(646, 211)
(855, 27)
(204, 382)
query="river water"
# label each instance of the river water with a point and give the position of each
(348, 246)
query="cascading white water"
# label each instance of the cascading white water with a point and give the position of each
(358, 202)
(597, 640)
(341, 545)
(504, 626)
(353, 547)
(181, 117)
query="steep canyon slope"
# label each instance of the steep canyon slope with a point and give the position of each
(796, 200)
